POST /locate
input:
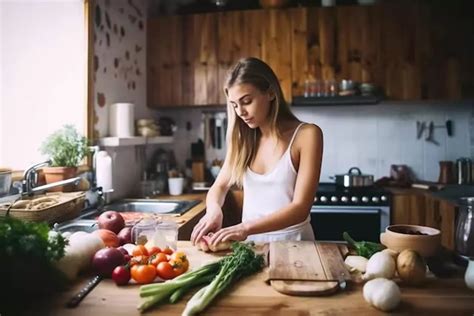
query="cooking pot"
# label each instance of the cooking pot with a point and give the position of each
(464, 240)
(354, 178)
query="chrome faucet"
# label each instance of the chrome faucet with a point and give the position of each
(30, 179)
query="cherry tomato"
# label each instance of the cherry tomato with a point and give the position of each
(140, 250)
(159, 257)
(178, 267)
(143, 273)
(138, 260)
(165, 270)
(153, 250)
(167, 250)
(121, 275)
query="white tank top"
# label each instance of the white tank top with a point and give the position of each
(267, 193)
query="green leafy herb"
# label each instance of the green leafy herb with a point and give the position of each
(26, 239)
(65, 147)
(363, 248)
(27, 252)
(242, 262)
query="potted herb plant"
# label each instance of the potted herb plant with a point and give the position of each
(66, 148)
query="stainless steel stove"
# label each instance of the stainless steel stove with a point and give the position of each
(363, 212)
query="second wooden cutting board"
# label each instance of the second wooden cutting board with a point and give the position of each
(306, 268)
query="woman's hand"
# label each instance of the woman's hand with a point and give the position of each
(211, 222)
(237, 232)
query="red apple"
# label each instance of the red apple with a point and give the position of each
(111, 220)
(106, 260)
(125, 235)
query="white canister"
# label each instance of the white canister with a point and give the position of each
(104, 171)
(121, 118)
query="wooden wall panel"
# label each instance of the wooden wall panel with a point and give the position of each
(411, 50)
(276, 48)
(188, 58)
(299, 52)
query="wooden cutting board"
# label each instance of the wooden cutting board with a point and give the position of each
(306, 268)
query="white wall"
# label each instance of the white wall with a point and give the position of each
(43, 73)
(375, 137)
(369, 137)
(120, 76)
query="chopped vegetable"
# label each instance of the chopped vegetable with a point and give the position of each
(363, 248)
(242, 262)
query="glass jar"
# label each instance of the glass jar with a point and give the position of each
(166, 235)
(144, 231)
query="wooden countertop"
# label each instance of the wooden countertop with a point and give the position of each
(252, 296)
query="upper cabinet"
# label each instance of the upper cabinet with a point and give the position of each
(410, 51)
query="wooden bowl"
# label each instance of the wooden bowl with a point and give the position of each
(422, 239)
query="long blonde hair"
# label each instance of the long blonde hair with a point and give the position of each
(242, 141)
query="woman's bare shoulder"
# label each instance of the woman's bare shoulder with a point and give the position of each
(310, 131)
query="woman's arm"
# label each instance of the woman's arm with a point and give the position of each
(212, 220)
(310, 146)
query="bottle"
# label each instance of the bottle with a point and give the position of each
(104, 171)
(469, 276)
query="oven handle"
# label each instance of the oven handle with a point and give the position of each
(344, 211)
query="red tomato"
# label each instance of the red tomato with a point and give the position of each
(167, 250)
(153, 250)
(159, 257)
(139, 250)
(143, 273)
(121, 275)
(165, 270)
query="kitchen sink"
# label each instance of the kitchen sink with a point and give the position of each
(77, 225)
(162, 207)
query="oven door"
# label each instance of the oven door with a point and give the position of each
(362, 223)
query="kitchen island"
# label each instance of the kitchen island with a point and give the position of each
(252, 296)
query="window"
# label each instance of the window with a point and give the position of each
(43, 82)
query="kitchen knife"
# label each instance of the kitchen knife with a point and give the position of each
(76, 299)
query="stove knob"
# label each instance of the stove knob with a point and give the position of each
(344, 199)
(323, 199)
(354, 199)
(315, 199)
(365, 199)
(375, 199)
(383, 198)
(334, 199)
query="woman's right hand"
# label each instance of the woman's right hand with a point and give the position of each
(211, 222)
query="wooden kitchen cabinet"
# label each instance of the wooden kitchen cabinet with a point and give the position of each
(417, 207)
(411, 50)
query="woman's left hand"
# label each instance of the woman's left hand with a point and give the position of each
(237, 232)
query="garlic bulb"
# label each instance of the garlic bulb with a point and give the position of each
(381, 293)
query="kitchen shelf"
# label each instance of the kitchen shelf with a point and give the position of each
(134, 141)
(336, 100)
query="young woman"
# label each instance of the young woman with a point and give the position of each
(271, 154)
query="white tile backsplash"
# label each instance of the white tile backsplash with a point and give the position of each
(370, 137)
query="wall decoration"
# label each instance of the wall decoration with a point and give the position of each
(119, 47)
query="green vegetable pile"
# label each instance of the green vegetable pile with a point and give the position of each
(363, 248)
(222, 274)
(27, 252)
